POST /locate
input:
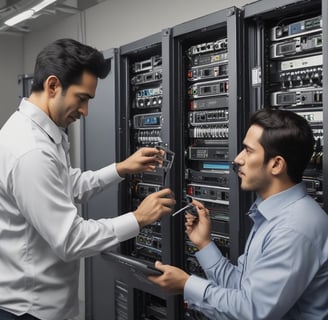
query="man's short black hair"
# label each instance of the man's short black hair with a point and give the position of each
(68, 59)
(286, 134)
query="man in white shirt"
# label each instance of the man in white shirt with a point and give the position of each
(42, 235)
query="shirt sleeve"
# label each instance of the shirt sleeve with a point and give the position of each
(194, 292)
(88, 183)
(41, 198)
(218, 268)
(269, 287)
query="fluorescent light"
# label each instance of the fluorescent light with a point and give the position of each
(19, 18)
(42, 5)
(28, 13)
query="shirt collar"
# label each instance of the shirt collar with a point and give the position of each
(255, 214)
(273, 206)
(41, 119)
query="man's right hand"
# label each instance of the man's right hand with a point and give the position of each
(154, 206)
(199, 229)
(145, 159)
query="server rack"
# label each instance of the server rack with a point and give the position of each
(286, 57)
(145, 120)
(209, 94)
(208, 97)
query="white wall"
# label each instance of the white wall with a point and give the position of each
(11, 65)
(35, 41)
(115, 23)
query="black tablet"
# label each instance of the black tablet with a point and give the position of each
(144, 267)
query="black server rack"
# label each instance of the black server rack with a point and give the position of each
(206, 75)
(285, 62)
(208, 96)
(145, 120)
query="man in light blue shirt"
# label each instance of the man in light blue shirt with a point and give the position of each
(283, 273)
(42, 235)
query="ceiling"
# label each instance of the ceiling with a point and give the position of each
(48, 16)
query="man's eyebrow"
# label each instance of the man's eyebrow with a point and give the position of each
(86, 95)
(245, 145)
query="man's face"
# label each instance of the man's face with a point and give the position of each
(69, 107)
(254, 175)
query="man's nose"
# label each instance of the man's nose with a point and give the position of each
(236, 158)
(238, 161)
(84, 110)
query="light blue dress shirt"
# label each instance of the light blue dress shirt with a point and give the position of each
(283, 273)
(42, 236)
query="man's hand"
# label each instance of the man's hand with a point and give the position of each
(199, 229)
(172, 280)
(155, 206)
(144, 159)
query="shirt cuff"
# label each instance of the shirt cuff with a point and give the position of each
(109, 175)
(209, 255)
(126, 226)
(194, 290)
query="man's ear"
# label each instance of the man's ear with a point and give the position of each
(51, 85)
(278, 165)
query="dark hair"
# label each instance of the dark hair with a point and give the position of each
(67, 59)
(286, 134)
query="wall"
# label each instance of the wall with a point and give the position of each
(35, 41)
(113, 23)
(11, 65)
